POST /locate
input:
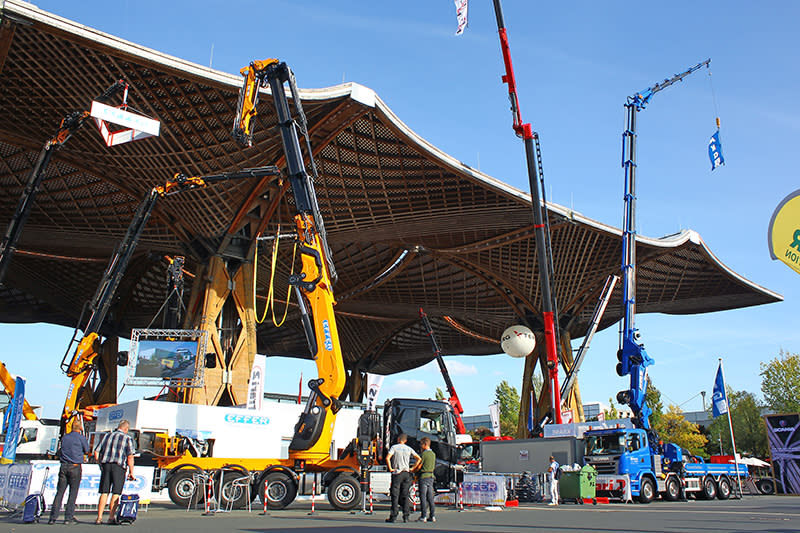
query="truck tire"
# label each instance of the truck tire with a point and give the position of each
(708, 489)
(182, 489)
(766, 486)
(672, 489)
(344, 492)
(282, 489)
(647, 490)
(236, 496)
(724, 488)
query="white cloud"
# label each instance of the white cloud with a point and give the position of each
(458, 368)
(407, 386)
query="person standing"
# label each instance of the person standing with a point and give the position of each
(553, 471)
(73, 447)
(114, 451)
(398, 460)
(426, 492)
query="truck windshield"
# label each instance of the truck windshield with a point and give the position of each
(605, 444)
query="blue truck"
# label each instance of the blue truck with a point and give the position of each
(653, 468)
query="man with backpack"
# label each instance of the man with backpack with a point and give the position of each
(73, 447)
(555, 473)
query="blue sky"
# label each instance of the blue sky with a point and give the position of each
(575, 64)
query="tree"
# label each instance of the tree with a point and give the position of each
(611, 413)
(748, 427)
(439, 394)
(653, 398)
(780, 383)
(508, 398)
(673, 427)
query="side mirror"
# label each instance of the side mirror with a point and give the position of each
(122, 358)
(211, 360)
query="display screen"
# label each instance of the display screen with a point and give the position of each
(167, 357)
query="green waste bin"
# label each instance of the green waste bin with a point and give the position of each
(578, 485)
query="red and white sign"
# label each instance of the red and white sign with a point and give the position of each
(131, 127)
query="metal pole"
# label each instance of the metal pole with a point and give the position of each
(730, 425)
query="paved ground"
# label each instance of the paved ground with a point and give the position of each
(754, 513)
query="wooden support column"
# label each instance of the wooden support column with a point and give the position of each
(226, 298)
(527, 387)
(241, 362)
(567, 360)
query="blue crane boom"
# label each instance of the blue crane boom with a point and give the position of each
(633, 359)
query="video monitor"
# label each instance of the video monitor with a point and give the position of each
(172, 357)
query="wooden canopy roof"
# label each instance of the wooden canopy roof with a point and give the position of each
(409, 226)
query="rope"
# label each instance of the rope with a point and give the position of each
(271, 291)
(713, 96)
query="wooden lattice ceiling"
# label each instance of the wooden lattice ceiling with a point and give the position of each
(409, 226)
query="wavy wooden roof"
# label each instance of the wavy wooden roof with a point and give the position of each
(409, 226)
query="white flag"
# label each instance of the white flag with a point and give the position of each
(461, 14)
(374, 382)
(255, 391)
(494, 415)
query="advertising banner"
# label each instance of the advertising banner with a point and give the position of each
(255, 391)
(374, 382)
(11, 424)
(14, 482)
(494, 415)
(90, 482)
(783, 235)
(484, 490)
(783, 434)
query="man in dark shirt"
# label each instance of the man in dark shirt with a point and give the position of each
(73, 448)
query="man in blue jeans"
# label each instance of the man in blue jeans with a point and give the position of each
(426, 467)
(73, 448)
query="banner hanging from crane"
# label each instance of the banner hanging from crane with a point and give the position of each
(783, 236)
(715, 151)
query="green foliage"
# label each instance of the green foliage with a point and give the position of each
(508, 398)
(780, 383)
(673, 427)
(748, 427)
(611, 413)
(653, 398)
(439, 394)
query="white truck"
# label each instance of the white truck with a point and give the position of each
(38, 439)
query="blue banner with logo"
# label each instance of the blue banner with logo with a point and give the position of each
(12, 421)
(719, 400)
(715, 151)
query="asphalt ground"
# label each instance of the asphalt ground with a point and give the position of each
(752, 513)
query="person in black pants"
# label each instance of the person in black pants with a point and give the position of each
(73, 448)
(398, 460)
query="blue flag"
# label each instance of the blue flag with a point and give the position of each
(715, 151)
(13, 419)
(719, 400)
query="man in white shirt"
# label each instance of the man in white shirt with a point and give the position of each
(398, 461)
(553, 471)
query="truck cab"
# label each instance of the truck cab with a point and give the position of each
(425, 418)
(38, 439)
(619, 452)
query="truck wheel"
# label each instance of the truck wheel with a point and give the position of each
(766, 486)
(344, 492)
(182, 488)
(709, 489)
(281, 489)
(723, 488)
(236, 496)
(647, 490)
(672, 489)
